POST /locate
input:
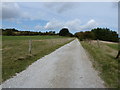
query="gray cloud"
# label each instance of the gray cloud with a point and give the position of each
(65, 7)
(60, 7)
(10, 10)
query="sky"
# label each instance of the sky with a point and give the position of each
(53, 16)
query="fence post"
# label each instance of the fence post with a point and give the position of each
(30, 46)
(98, 43)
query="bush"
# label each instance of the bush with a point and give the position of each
(85, 35)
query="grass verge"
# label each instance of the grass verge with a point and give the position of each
(15, 56)
(114, 46)
(103, 59)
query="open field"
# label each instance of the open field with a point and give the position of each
(29, 37)
(104, 61)
(15, 56)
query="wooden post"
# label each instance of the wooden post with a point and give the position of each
(30, 46)
(98, 43)
(118, 50)
(118, 54)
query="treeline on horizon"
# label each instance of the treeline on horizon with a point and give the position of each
(14, 32)
(104, 34)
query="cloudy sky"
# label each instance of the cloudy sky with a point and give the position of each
(46, 16)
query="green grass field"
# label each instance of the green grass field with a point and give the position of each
(114, 46)
(29, 37)
(104, 61)
(15, 55)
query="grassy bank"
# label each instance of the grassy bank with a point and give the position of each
(104, 61)
(15, 56)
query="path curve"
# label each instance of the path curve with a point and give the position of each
(67, 67)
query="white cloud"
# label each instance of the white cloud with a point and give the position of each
(54, 24)
(74, 25)
(90, 24)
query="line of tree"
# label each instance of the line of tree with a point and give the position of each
(14, 32)
(104, 34)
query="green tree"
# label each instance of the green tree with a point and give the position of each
(65, 32)
(105, 34)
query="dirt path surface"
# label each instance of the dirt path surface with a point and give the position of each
(67, 67)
